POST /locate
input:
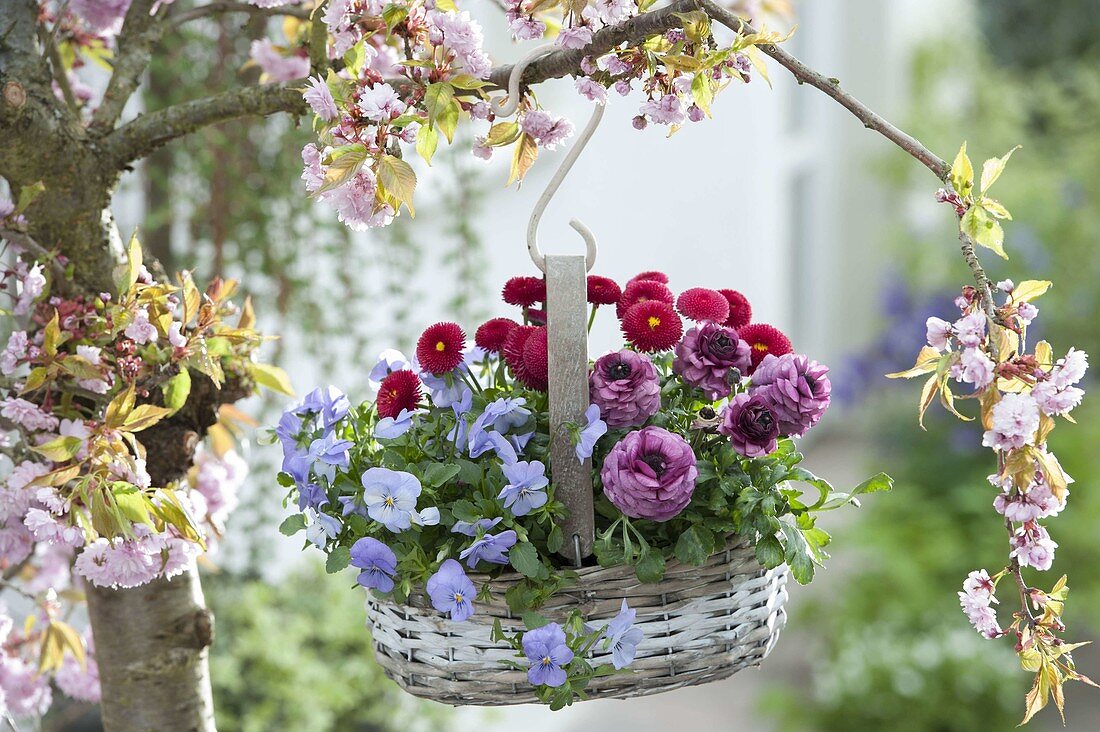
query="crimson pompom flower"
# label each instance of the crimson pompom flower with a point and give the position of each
(399, 390)
(649, 276)
(764, 339)
(535, 316)
(603, 290)
(524, 291)
(700, 303)
(643, 291)
(513, 351)
(652, 326)
(491, 334)
(740, 310)
(440, 348)
(536, 361)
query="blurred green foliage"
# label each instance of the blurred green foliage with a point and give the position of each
(295, 654)
(894, 651)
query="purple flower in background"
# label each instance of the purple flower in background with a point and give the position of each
(389, 428)
(795, 388)
(378, 562)
(470, 529)
(650, 474)
(624, 385)
(622, 637)
(489, 548)
(330, 403)
(526, 488)
(390, 497)
(547, 652)
(451, 591)
(705, 356)
(751, 425)
(593, 431)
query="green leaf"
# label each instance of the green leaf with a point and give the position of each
(524, 558)
(398, 179)
(651, 568)
(502, 133)
(271, 377)
(555, 540)
(532, 620)
(343, 163)
(291, 525)
(695, 545)
(427, 140)
(437, 474)
(448, 120)
(524, 156)
(133, 506)
(992, 169)
(983, 228)
(769, 552)
(437, 98)
(176, 390)
(393, 15)
(875, 484)
(60, 449)
(797, 554)
(338, 559)
(962, 173)
(27, 194)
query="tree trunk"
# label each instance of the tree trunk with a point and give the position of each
(151, 646)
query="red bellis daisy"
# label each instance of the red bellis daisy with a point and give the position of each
(652, 326)
(440, 348)
(524, 291)
(603, 291)
(399, 390)
(740, 310)
(643, 291)
(764, 339)
(536, 361)
(491, 334)
(649, 276)
(700, 303)
(513, 351)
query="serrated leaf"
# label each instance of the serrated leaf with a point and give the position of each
(524, 558)
(695, 545)
(1028, 290)
(927, 361)
(927, 396)
(769, 552)
(437, 474)
(523, 157)
(398, 179)
(176, 390)
(344, 163)
(980, 226)
(447, 121)
(502, 133)
(271, 377)
(650, 568)
(992, 169)
(437, 97)
(962, 173)
(143, 417)
(60, 449)
(427, 140)
(27, 194)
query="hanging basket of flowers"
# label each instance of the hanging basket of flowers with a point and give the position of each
(532, 526)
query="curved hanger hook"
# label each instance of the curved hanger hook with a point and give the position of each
(552, 188)
(507, 107)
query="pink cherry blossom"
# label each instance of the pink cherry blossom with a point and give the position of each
(27, 415)
(970, 329)
(275, 65)
(381, 103)
(938, 331)
(668, 110)
(319, 98)
(1033, 547)
(141, 331)
(547, 130)
(1015, 419)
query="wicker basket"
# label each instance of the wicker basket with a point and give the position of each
(701, 624)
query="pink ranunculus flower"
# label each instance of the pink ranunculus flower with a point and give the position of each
(650, 474)
(706, 355)
(624, 385)
(797, 389)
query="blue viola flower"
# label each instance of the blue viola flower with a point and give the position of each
(390, 497)
(502, 415)
(443, 394)
(426, 517)
(519, 442)
(470, 529)
(328, 453)
(389, 428)
(622, 637)
(329, 403)
(451, 591)
(389, 360)
(526, 488)
(321, 528)
(548, 654)
(494, 441)
(378, 562)
(489, 548)
(352, 504)
(311, 495)
(593, 431)
(461, 408)
(289, 432)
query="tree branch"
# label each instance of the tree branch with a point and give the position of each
(140, 32)
(218, 8)
(138, 138)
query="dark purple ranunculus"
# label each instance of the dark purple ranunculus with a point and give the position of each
(624, 386)
(797, 390)
(705, 356)
(751, 425)
(650, 474)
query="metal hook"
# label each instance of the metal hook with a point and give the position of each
(506, 108)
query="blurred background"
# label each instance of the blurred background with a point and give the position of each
(833, 235)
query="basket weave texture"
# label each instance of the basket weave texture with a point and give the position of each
(701, 624)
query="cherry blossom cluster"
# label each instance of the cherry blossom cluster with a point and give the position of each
(984, 354)
(81, 380)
